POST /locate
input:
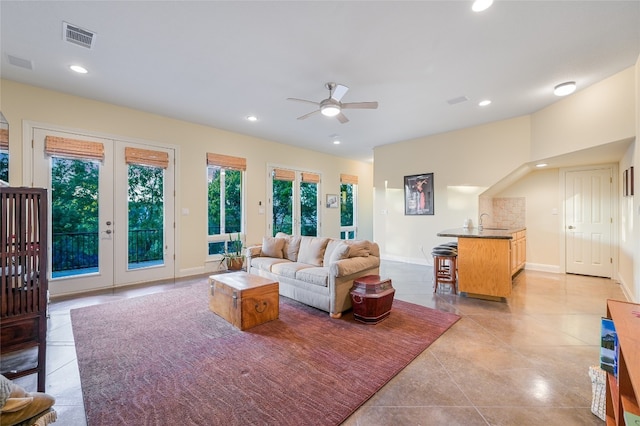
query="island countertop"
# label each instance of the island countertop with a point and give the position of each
(494, 233)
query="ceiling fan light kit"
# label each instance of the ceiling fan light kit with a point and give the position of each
(332, 107)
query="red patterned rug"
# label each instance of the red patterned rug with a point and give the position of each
(165, 359)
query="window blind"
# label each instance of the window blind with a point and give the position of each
(349, 179)
(310, 177)
(146, 157)
(73, 148)
(282, 174)
(4, 139)
(226, 161)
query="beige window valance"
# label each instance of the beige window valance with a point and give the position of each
(349, 179)
(310, 177)
(282, 174)
(227, 161)
(146, 157)
(73, 148)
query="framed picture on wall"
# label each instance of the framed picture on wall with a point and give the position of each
(332, 201)
(418, 194)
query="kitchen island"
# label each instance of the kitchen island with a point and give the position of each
(487, 260)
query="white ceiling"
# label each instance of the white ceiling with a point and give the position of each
(215, 62)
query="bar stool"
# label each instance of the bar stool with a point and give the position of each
(445, 266)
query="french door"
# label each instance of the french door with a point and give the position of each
(111, 210)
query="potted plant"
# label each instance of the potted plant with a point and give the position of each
(233, 256)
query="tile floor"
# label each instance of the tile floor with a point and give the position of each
(524, 362)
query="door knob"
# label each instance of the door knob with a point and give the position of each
(571, 227)
(108, 231)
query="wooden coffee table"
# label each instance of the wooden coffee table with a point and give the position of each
(243, 299)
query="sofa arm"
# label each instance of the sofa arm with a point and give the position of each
(353, 265)
(251, 252)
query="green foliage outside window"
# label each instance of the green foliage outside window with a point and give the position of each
(229, 199)
(282, 207)
(308, 209)
(346, 205)
(146, 213)
(4, 166)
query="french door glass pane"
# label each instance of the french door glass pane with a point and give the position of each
(213, 200)
(232, 201)
(74, 213)
(146, 216)
(346, 205)
(4, 166)
(308, 209)
(282, 207)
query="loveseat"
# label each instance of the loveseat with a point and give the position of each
(316, 271)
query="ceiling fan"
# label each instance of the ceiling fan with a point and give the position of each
(332, 107)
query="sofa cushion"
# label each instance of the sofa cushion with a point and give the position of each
(312, 250)
(359, 248)
(336, 250)
(266, 263)
(288, 269)
(273, 247)
(318, 276)
(291, 246)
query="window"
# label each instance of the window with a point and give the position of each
(348, 203)
(225, 204)
(295, 201)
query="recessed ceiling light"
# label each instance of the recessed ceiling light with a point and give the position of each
(485, 102)
(564, 89)
(252, 118)
(540, 165)
(78, 69)
(336, 142)
(480, 5)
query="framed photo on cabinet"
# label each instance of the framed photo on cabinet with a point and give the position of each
(418, 194)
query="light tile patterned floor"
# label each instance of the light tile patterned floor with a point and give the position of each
(523, 362)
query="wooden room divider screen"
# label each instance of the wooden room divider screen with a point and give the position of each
(23, 279)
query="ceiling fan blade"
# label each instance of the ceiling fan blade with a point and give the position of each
(302, 117)
(339, 91)
(342, 118)
(303, 100)
(364, 105)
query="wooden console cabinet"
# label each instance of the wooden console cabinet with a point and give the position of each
(518, 251)
(622, 394)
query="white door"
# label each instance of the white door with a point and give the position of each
(103, 230)
(589, 222)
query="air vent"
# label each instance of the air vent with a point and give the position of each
(457, 100)
(19, 62)
(78, 36)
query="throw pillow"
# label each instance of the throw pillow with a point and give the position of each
(273, 247)
(312, 250)
(331, 248)
(339, 253)
(359, 248)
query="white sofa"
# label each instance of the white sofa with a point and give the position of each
(316, 271)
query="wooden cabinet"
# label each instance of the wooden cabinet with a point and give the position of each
(623, 392)
(518, 251)
(484, 267)
(23, 279)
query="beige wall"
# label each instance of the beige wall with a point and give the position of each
(464, 163)
(468, 162)
(599, 114)
(21, 103)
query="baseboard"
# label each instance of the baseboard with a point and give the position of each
(626, 290)
(412, 260)
(542, 267)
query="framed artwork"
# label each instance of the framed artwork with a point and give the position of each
(418, 194)
(332, 201)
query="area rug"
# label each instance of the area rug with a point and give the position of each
(165, 359)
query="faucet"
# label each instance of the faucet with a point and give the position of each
(481, 216)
